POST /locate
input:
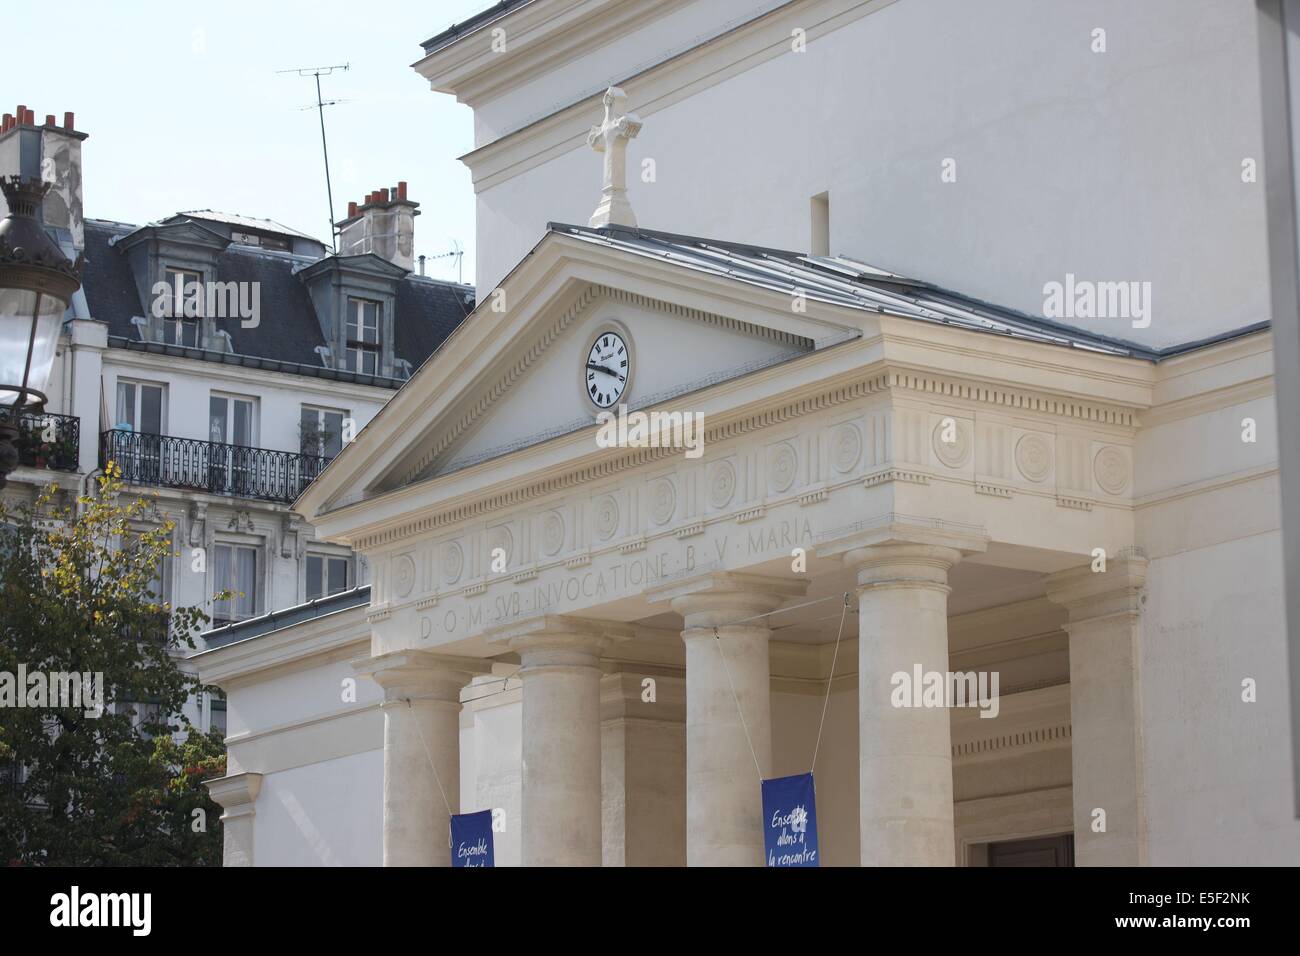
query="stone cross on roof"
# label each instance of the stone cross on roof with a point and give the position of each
(610, 138)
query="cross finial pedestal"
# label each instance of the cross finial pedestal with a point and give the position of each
(611, 138)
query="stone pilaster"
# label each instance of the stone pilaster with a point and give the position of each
(237, 796)
(643, 769)
(904, 752)
(421, 751)
(728, 709)
(1105, 628)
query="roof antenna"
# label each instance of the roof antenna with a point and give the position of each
(318, 72)
(456, 253)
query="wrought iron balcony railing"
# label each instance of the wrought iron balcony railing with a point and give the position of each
(49, 441)
(213, 467)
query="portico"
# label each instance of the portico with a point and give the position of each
(842, 454)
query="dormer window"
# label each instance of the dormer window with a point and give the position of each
(363, 336)
(184, 309)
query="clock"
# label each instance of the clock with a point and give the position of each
(607, 370)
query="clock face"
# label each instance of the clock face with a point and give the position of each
(608, 367)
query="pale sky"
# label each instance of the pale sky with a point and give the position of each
(185, 109)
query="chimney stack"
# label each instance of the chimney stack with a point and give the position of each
(383, 223)
(53, 153)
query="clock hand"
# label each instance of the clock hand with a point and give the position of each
(601, 368)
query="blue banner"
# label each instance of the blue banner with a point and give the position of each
(790, 821)
(471, 839)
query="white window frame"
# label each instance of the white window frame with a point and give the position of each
(321, 411)
(355, 348)
(135, 411)
(254, 417)
(176, 278)
(326, 557)
(259, 584)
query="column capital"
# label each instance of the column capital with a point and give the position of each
(1089, 595)
(717, 598)
(236, 793)
(559, 632)
(893, 530)
(421, 675)
(895, 550)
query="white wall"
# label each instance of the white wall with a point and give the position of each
(280, 397)
(1123, 165)
(1217, 768)
(323, 814)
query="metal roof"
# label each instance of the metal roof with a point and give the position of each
(842, 281)
(480, 19)
(286, 617)
(246, 222)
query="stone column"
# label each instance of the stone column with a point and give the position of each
(1105, 628)
(421, 735)
(561, 824)
(904, 752)
(237, 795)
(727, 664)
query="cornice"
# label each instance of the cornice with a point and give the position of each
(538, 36)
(1212, 401)
(244, 375)
(1259, 473)
(336, 637)
(659, 85)
(1027, 721)
(1015, 622)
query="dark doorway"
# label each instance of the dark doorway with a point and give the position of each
(1040, 851)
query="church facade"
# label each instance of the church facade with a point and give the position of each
(669, 515)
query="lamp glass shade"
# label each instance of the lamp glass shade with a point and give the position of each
(20, 309)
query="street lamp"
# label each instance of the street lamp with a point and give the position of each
(36, 283)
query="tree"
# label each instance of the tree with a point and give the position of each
(78, 610)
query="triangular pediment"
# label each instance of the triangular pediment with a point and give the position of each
(518, 372)
(659, 353)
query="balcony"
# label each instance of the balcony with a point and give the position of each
(51, 441)
(215, 468)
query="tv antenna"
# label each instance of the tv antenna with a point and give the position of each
(456, 253)
(318, 72)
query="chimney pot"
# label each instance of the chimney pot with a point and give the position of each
(383, 194)
(69, 120)
(21, 114)
(30, 118)
(352, 209)
(401, 189)
(49, 120)
(6, 122)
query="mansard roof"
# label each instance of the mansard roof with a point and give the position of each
(426, 310)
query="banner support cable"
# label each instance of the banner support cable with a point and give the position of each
(740, 710)
(829, 683)
(429, 757)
